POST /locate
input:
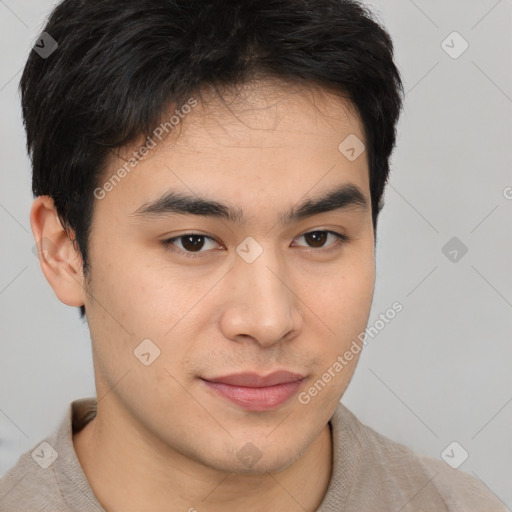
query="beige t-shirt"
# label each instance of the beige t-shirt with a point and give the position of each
(370, 474)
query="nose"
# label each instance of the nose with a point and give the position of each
(261, 304)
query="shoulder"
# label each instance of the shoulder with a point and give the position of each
(397, 476)
(31, 485)
(49, 477)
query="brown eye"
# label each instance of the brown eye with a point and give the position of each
(190, 244)
(317, 239)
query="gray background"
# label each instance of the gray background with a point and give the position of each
(437, 373)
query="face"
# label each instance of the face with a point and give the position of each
(177, 300)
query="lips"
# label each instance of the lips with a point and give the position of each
(254, 380)
(255, 392)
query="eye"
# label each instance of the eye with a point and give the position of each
(190, 243)
(318, 238)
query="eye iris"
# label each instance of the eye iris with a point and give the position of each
(190, 245)
(318, 238)
(194, 243)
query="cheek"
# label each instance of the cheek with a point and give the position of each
(345, 309)
(343, 297)
(118, 312)
(133, 294)
(343, 304)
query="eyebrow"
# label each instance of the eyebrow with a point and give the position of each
(174, 202)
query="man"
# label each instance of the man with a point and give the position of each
(208, 178)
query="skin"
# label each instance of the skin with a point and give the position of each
(296, 307)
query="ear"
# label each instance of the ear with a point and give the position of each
(60, 262)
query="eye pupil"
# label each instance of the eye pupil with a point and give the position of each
(193, 245)
(318, 237)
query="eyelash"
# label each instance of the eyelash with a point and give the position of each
(340, 241)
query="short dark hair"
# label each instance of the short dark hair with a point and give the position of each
(120, 64)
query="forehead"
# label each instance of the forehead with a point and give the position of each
(266, 143)
(265, 109)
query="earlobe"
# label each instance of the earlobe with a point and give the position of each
(60, 261)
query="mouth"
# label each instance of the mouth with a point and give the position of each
(255, 392)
